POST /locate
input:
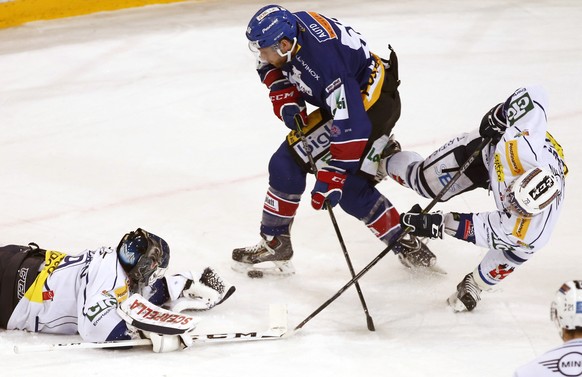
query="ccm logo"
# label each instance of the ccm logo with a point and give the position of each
(282, 96)
(338, 180)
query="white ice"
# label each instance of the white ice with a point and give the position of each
(155, 118)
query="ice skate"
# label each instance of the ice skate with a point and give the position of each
(467, 295)
(391, 147)
(414, 254)
(271, 256)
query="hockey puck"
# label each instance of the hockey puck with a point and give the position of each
(254, 274)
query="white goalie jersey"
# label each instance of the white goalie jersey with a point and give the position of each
(526, 144)
(74, 294)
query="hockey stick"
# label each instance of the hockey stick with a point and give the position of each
(299, 124)
(277, 330)
(403, 233)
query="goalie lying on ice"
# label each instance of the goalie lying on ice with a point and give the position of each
(51, 292)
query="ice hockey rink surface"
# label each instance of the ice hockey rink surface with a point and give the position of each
(154, 117)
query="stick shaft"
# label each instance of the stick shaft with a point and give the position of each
(404, 232)
(369, 320)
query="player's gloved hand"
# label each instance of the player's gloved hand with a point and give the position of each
(189, 291)
(494, 123)
(423, 225)
(328, 188)
(286, 103)
(167, 343)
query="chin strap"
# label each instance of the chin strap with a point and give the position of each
(289, 53)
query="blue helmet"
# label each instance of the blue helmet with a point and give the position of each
(271, 24)
(143, 256)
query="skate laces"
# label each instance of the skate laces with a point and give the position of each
(470, 286)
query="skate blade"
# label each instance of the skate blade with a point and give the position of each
(264, 269)
(434, 269)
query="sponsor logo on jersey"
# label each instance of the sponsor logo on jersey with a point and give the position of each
(121, 293)
(557, 152)
(318, 142)
(333, 86)
(512, 155)
(501, 272)
(569, 364)
(337, 102)
(522, 133)
(21, 284)
(35, 293)
(307, 68)
(498, 168)
(48, 295)
(519, 107)
(321, 29)
(469, 231)
(371, 93)
(521, 227)
(100, 309)
(295, 78)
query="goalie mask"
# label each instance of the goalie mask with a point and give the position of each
(531, 192)
(144, 256)
(566, 309)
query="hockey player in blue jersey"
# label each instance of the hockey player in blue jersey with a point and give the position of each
(307, 57)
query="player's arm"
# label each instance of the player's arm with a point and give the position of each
(350, 130)
(284, 96)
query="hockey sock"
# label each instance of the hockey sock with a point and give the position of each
(383, 220)
(278, 212)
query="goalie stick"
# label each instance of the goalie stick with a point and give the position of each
(404, 232)
(277, 330)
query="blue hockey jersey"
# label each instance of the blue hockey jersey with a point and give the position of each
(334, 70)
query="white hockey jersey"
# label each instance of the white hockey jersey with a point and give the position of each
(525, 145)
(565, 360)
(74, 294)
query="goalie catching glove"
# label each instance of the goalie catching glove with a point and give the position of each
(189, 291)
(423, 225)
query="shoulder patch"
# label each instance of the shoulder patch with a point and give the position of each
(519, 107)
(320, 28)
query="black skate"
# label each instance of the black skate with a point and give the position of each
(271, 256)
(416, 255)
(391, 148)
(467, 296)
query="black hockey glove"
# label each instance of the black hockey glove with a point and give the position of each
(423, 225)
(494, 123)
